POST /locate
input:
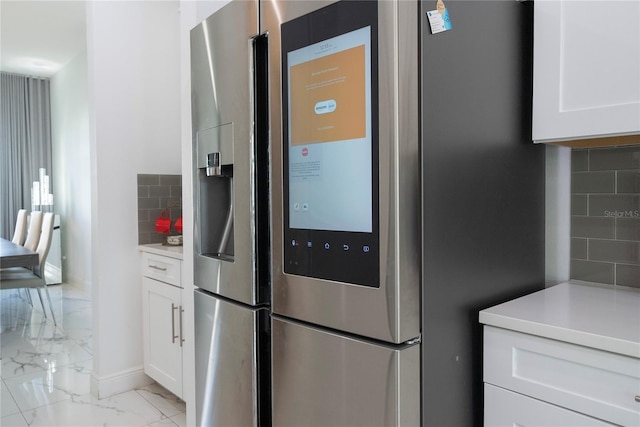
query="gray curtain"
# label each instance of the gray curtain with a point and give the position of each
(25, 143)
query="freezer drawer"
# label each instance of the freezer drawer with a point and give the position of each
(325, 379)
(232, 362)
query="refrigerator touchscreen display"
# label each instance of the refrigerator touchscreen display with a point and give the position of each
(331, 144)
(330, 134)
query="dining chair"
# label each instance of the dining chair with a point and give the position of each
(35, 229)
(19, 234)
(21, 227)
(22, 277)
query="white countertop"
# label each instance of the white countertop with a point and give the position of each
(605, 318)
(159, 249)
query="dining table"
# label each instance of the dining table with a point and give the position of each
(14, 255)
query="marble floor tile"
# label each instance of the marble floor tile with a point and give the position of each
(76, 314)
(168, 422)
(180, 419)
(45, 370)
(15, 420)
(163, 399)
(81, 336)
(15, 311)
(46, 387)
(8, 405)
(126, 409)
(22, 355)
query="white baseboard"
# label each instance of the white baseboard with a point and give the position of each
(121, 382)
(79, 284)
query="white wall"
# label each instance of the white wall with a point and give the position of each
(558, 214)
(134, 103)
(187, 21)
(71, 170)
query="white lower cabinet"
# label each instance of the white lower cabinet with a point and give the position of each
(536, 381)
(163, 332)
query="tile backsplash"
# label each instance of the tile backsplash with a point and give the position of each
(156, 193)
(605, 215)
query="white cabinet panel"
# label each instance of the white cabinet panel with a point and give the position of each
(504, 408)
(162, 333)
(586, 69)
(593, 382)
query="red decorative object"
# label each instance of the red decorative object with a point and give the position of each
(163, 223)
(178, 225)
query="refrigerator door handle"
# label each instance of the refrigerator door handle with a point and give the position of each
(258, 69)
(181, 336)
(173, 323)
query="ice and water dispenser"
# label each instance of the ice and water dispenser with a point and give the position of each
(214, 158)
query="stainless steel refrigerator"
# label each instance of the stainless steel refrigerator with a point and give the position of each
(363, 186)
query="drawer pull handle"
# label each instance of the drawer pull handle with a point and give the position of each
(158, 268)
(638, 399)
(173, 323)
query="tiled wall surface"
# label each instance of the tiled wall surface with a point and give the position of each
(605, 215)
(156, 193)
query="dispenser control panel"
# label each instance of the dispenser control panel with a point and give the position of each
(330, 153)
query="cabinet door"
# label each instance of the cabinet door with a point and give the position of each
(506, 408)
(161, 329)
(586, 68)
(598, 383)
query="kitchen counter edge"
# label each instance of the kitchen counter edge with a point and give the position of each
(163, 250)
(602, 317)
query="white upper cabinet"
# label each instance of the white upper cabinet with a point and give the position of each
(586, 69)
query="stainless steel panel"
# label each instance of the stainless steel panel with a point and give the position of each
(324, 379)
(392, 311)
(227, 370)
(221, 61)
(218, 139)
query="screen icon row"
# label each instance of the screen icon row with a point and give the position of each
(327, 246)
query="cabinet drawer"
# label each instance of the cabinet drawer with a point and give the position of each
(504, 408)
(593, 382)
(161, 268)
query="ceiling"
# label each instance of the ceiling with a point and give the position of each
(38, 38)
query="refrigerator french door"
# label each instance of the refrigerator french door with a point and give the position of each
(231, 224)
(346, 210)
